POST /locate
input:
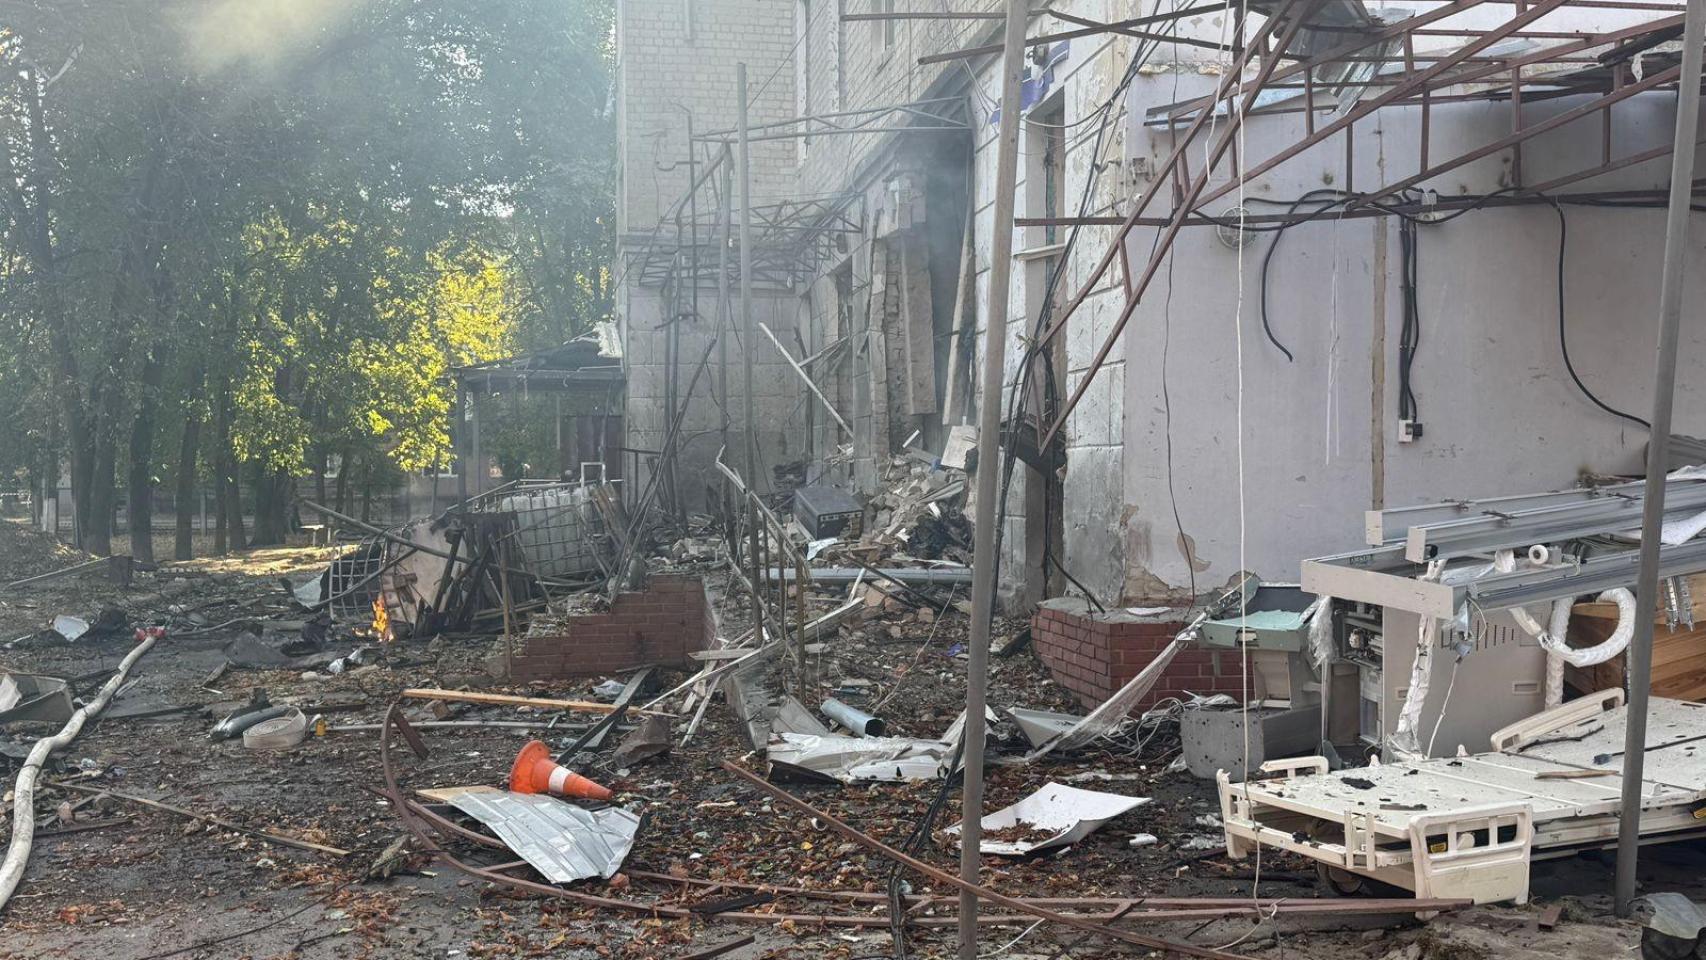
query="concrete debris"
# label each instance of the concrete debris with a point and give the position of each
(650, 739)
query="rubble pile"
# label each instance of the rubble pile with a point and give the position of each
(274, 753)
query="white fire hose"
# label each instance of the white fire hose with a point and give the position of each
(1552, 636)
(24, 791)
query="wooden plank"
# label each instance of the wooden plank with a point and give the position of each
(1679, 657)
(720, 949)
(917, 318)
(728, 653)
(502, 700)
(954, 391)
(266, 835)
(449, 794)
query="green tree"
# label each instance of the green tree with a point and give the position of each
(243, 238)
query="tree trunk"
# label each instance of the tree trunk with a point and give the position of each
(220, 547)
(55, 316)
(366, 490)
(184, 504)
(142, 461)
(97, 524)
(234, 534)
(271, 503)
(345, 462)
(228, 505)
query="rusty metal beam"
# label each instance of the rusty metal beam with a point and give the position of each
(1164, 244)
(1389, 32)
(1117, 25)
(1604, 168)
(1174, 163)
(982, 892)
(1399, 93)
(1526, 133)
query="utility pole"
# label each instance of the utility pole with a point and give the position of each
(1640, 653)
(725, 318)
(988, 467)
(725, 208)
(747, 338)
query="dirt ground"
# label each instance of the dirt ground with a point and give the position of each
(127, 882)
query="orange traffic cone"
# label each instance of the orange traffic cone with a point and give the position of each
(536, 772)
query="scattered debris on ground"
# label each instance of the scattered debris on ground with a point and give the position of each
(283, 775)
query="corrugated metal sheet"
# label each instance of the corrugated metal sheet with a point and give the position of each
(563, 842)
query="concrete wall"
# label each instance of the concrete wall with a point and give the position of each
(676, 59)
(776, 391)
(1319, 433)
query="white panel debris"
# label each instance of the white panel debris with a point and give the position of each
(850, 759)
(1055, 816)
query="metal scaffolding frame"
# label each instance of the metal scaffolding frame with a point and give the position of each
(940, 114)
(794, 239)
(1624, 66)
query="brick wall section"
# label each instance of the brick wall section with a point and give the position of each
(1093, 655)
(658, 625)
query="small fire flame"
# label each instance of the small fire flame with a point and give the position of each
(381, 625)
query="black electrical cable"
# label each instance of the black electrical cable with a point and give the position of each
(1409, 335)
(1415, 342)
(915, 843)
(1167, 427)
(1016, 404)
(1268, 259)
(1563, 338)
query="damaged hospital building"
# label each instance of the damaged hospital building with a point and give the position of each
(1263, 278)
(1226, 476)
(1414, 305)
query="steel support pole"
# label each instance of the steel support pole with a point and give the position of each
(988, 466)
(725, 323)
(1640, 656)
(746, 340)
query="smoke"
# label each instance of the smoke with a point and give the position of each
(260, 34)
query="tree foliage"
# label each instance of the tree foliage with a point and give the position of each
(243, 239)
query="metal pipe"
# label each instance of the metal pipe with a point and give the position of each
(861, 723)
(1115, 26)
(746, 342)
(988, 455)
(905, 576)
(1640, 655)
